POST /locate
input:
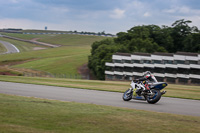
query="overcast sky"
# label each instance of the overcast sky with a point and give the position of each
(111, 16)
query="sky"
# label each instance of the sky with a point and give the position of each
(110, 16)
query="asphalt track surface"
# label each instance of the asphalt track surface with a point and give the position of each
(166, 105)
(10, 47)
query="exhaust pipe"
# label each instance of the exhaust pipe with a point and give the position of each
(163, 92)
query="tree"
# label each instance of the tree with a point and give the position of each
(147, 39)
(163, 38)
(145, 46)
(101, 52)
(97, 61)
(192, 43)
(139, 32)
(181, 30)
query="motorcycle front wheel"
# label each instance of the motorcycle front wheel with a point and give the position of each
(155, 98)
(127, 95)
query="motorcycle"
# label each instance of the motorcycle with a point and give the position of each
(152, 95)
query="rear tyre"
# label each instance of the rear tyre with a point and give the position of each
(155, 98)
(127, 96)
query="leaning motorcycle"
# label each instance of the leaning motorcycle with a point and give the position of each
(152, 95)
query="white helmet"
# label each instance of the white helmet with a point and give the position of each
(147, 74)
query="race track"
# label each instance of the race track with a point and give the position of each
(167, 105)
(10, 47)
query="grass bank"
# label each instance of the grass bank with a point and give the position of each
(178, 91)
(61, 39)
(2, 48)
(20, 114)
(60, 60)
(23, 46)
(63, 60)
(71, 40)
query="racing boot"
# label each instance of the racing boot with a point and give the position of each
(138, 91)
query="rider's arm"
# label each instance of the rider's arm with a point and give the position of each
(141, 79)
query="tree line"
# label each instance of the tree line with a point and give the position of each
(180, 36)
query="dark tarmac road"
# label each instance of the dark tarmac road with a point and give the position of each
(10, 47)
(166, 105)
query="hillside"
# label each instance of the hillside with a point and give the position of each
(66, 59)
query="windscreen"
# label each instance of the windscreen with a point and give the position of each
(153, 78)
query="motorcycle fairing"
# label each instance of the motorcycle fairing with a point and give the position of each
(158, 85)
(138, 97)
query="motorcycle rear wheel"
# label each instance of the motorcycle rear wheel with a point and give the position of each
(155, 98)
(127, 96)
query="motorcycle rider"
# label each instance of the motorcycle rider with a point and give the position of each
(147, 77)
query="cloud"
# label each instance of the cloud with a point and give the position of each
(181, 10)
(25, 24)
(89, 15)
(137, 4)
(195, 20)
(139, 9)
(147, 14)
(59, 9)
(117, 13)
(184, 9)
(14, 1)
(169, 10)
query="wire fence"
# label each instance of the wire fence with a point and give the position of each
(68, 76)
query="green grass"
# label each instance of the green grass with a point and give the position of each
(179, 91)
(44, 31)
(54, 60)
(20, 114)
(67, 59)
(22, 46)
(2, 48)
(63, 60)
(12, 72)
(81, 40)
(65, 39)
(24, 36)
(58, 60)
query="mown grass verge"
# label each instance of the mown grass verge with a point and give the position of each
(66, 39)
(178, 91)
(5, 71)
(22, 46)
(2, 48)
(20, 114)
(63, 60)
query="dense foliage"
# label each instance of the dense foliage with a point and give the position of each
(146, 38)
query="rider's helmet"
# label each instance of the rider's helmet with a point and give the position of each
(147, 74)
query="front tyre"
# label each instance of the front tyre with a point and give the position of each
(154, 98)
(127, 95)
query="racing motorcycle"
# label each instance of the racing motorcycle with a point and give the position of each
(148, 91)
